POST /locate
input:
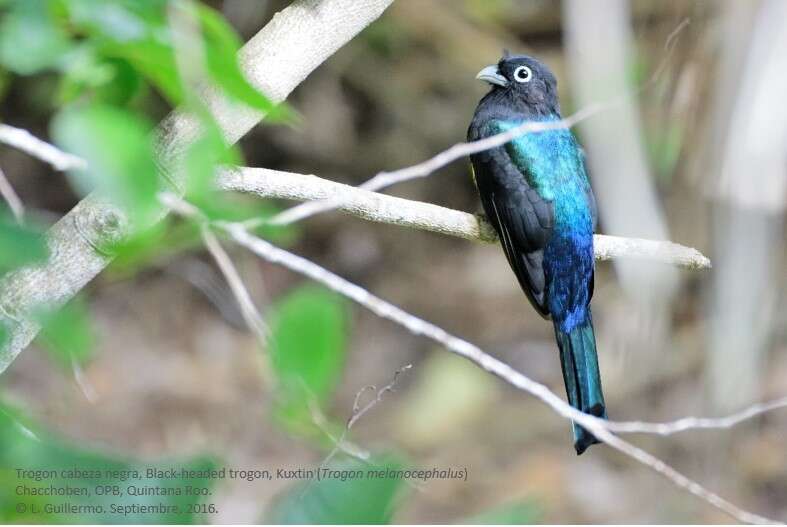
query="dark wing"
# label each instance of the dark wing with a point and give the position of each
(522, 219)
(593, 212)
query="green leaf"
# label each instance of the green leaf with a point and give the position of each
(19, 245)
(156, 61)
(30, 40)
(283, 235)
(159, 243)
(136, 33)
(22, 446)
(358, 500)
(108, 80)
(120, 20)
(517, 513)
(307, 350)
(66, 334)
(117, 147)
(199, 163)
(221, 50)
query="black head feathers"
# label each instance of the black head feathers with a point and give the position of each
(522, 83)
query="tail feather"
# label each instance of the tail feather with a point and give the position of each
(579, 362)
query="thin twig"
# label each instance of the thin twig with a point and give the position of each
(340, 443)
(359, 411)
(461, 347)
(25, 141)
(85, 386)
(693, 423)
(254, 321)
(249, 311)
(10, 196)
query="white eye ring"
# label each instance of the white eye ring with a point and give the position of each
(523, 74)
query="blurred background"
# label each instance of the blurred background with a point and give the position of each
(153, 363)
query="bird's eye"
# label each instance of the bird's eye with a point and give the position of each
(523, 74)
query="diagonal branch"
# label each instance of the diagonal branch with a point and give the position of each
(502, 370)
(382, 208)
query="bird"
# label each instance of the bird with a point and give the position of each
(536, 193)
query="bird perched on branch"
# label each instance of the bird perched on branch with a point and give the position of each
(536, 193)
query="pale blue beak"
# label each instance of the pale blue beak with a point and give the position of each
(492, 75)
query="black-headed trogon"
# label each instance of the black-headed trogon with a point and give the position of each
(536, 193)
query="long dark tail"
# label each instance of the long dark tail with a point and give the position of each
(579, 361)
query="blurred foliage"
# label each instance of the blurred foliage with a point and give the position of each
(517, 513)
(387, 38)
(159, 242)
(119, 152)
(448, 393)
(30, 41)
(66, 334)
(19, 244)
(106, 56)
(486, 11)
(173, 237)
(106, 59)
(22, 446)
(331, 501)
(664, 146)
(308, 339)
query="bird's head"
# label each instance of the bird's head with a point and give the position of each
(526, 83)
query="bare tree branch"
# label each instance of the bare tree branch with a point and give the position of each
(502, 370)
(276, 60)
(30, 144)
(382, 208)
